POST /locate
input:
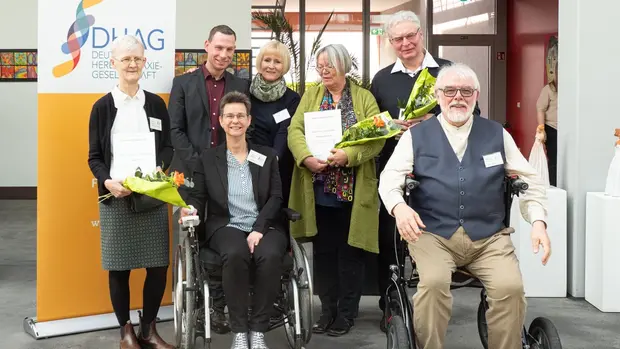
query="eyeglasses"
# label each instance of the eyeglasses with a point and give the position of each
(451, 91)
(410, 37)
(320, 68)
(231, 117)
(128, 60)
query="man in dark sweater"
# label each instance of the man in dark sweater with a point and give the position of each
(389, 86)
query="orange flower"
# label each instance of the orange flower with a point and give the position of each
(379, 122)
(178, 178)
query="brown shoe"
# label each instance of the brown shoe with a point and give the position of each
(129, 340)
(149, 338)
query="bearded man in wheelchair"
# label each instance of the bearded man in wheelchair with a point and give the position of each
(239, 184)
(457, 211)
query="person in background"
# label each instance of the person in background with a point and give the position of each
(547, 117)
(389, 86)
(130, 240)
(194, 110)
(239, 184)
(337, 198)
(273, 104)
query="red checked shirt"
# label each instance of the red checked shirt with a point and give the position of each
(215, 92)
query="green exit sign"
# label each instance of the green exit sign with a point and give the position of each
(376, 31)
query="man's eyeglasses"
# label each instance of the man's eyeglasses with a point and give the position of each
(231, 117)
(451, 91)
(410, 37)
(129, 60)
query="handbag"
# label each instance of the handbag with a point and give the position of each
(142, 203)
(538, 160)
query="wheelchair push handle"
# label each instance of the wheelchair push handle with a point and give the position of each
(411, 183)
(517, 185)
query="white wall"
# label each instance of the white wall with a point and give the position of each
(18, 101)
(587, 115)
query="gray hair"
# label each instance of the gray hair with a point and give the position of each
(126, 43)
(459, 69)
(399, 17)
(338, 57)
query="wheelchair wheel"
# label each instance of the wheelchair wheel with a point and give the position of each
(306, 292)
(482, 324)
(397, 334)
(543, 334)
(185, 297)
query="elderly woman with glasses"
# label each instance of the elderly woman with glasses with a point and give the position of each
(337, 198)
(134, 234)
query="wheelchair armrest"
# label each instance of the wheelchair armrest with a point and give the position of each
(291, 214)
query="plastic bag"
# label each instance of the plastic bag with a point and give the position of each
(538, 159)
(422, 98)
(612, 187)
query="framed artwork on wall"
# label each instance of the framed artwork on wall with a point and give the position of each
(551, 57)
(186, 59)
(18, 65)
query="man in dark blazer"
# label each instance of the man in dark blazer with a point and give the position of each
(194, 122)
(389, 86)
(195, 98)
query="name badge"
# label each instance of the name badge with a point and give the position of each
(494, 159)
(401, 114)
(281, 116)
(256, 158)
(155, 124)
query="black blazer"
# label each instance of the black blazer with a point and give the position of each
(211, 190)
(190, 120)
(100, 128)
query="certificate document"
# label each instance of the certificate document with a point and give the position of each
(130, 151)
(323, 130)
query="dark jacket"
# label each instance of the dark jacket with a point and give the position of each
(100, 125)
(211, 190)
(190, 121)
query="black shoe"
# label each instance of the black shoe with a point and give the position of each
(324, 323)
(340, 327)
(219, 324)
(383, 325)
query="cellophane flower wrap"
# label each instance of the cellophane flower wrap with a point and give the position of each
(157, 185)
(422, 98)
(377, 127)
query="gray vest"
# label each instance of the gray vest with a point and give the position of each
(453, 193)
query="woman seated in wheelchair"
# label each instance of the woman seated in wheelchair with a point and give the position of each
(239, 185)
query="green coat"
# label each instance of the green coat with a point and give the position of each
(365, 211)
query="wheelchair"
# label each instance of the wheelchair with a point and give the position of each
(542, 334)
(195, 266)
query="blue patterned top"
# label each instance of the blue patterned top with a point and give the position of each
(242, 206)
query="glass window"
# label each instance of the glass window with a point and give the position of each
(464, 17)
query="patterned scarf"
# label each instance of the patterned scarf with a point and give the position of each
(339, 180)
(267, 91)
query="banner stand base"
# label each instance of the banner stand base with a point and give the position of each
(56, 328)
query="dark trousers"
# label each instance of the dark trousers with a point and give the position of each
(387, 255)
(231, 244)
(552, 153)
(338, 267)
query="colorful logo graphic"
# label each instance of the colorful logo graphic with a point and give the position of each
(76, 38)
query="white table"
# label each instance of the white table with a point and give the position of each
(602, 287)
(543, 280)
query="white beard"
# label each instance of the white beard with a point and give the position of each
(458, 116)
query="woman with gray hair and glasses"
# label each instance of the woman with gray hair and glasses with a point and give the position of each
(134, 233)
(338, 199)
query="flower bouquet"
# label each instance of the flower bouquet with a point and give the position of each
(156, 185)
(378, 127)
(422, 98)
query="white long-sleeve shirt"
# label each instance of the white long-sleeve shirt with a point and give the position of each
(392, 180)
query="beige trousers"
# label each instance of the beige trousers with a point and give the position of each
(492, 261)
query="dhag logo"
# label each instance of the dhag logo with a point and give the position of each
(76, 36)
(91, 43)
